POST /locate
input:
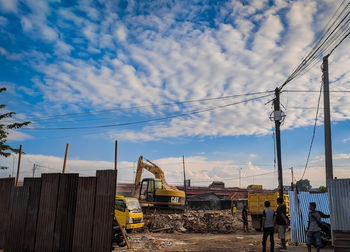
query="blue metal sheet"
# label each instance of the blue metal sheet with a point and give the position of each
(299, 210)
(339, 190)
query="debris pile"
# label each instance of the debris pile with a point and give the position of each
(193, 222)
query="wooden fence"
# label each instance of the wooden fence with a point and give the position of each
(58, 212)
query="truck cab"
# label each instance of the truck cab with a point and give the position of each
(128, 212)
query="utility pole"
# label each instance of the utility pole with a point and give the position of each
(292, 184)
(327, 121)
(116, 155)
(185, 186)
(65, 160)
(240, 169)
(19, 164)
(34, 168)
(278, 116)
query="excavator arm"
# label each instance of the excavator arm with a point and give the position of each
(149, 166)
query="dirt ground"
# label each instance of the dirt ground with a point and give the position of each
(239, 241)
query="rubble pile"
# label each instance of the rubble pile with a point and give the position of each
(193, 222)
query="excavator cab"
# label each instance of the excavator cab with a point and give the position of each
(148, 189)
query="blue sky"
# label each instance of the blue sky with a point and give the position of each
(89, 63)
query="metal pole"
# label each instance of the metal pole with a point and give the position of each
(116, 155)
(292, 184)
(278, 141)
(327, 121)
(65, 160)
(19, 164)
(185, 186)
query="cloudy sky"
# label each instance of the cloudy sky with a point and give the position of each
(89, 72)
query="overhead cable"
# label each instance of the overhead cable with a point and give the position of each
(151, 120)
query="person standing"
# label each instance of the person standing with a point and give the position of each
(313, 236)
(245, 219)
(234, 210)
(268, 224)
(282, 221)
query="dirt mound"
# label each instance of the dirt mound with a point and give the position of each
(193, 222)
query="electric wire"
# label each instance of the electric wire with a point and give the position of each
(334, 33)
(152, 120)
(313, 132)
(147, 106)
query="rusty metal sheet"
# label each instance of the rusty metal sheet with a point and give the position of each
(104, 210)
(64, 226)
(341, 241)
(47, 212)
(17, 219)
(34, 186)
(5, 191)
(84, 214)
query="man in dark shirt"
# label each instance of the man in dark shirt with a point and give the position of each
(245, 218)
(282, 221)
(314, 229)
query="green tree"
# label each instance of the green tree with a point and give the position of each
(5, 125)
(303, 185)
(322, 189)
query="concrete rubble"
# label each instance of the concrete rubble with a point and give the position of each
(193, 222)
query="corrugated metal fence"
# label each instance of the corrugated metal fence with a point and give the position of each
(339, 192)
(58, 212)
(299, 210)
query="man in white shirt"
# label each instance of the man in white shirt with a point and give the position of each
(268, 224)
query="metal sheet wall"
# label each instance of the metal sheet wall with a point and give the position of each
(299, 210)
(339, 190)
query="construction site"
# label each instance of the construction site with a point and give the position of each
(187, 126)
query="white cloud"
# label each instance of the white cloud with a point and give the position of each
(200, 170)
(9, 5)
(121, 33)
(168, 60)
(3, 21)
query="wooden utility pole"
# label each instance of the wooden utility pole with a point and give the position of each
(292, 184)
(327, 121)
(278, 119)
(19, 164)
(240, 169)
(65, 159)
(116, 155)
(185, 186)
(34, 168)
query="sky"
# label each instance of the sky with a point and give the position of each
(90, 72)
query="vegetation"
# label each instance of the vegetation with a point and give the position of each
(322, 189)
(5, 125)
(304, 185)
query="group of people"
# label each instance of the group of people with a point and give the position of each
(278, 221)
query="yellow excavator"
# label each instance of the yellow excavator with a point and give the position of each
(155, 192)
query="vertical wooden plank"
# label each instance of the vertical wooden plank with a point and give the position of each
(47, 212)
(5, 194)
(63, 235)
(84, 214)
(17, 220)
(34, 186)
(104, 210)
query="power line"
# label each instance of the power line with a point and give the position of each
(334, 33)
(146, 106)
(313, 132)
(151, 120)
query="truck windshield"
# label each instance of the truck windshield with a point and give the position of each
(158, 184)
(133, 205)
